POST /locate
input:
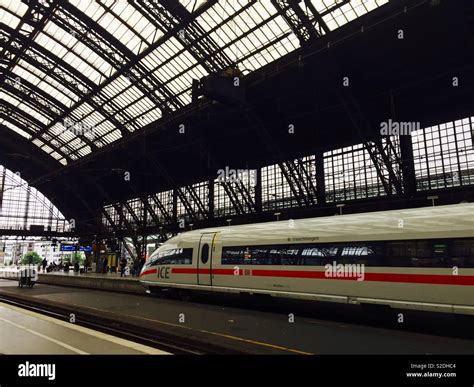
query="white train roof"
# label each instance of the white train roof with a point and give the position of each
(447, 221)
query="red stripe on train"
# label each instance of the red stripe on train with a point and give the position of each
(150, 271)
(380, 277)
(203, 271)
(437, 279)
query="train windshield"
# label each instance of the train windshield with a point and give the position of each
(171, 256)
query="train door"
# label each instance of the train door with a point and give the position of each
(205, 253)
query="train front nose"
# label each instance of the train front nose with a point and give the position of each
(146, 270)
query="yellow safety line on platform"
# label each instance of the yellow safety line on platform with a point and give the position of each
(208, 332)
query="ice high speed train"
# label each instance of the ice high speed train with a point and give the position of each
(420, 258)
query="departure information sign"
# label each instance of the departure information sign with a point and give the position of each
(65, 247)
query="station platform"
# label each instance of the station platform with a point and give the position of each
(26, 332)
(108, 281)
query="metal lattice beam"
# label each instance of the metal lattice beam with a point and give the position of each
(196, 199)
(170, 16)
(42, 104)
(73, 80)
(112, 50)
(168, 217)
(296, 19)
(25, 122)
(31, 23)
(234, 198)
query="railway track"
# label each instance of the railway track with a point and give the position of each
(174, 344)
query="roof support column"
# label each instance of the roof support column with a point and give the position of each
(407, 165)
(320, 180)
(258, 190)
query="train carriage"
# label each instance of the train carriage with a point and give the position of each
(419, 258)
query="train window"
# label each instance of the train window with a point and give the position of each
(205, 253)
(182, 256)
(462, 253)
(232, 256)
(413, 253)
(356, 251)
(463, 247)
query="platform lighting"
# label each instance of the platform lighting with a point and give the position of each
(340, 207)
(433, 198)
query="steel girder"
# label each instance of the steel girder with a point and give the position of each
(112, 50)
(31, 23)
(232, 189)
(300, 181)
(179, 192)
(234, 199)
(36, 157)
(26, 122)
(246, 194)
(197, 200)
(22, 120)
(296, 19)
(152, 213)
(384, 156)
(14, 83)
(39, 101)
(2, 186)
(304, 193)
(163, 210)
(170, 16)
(117, 231)
(73, 80)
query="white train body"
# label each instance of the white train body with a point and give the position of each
(416, 258)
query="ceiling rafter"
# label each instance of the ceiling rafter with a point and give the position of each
(116, 53)
(21, 82)
(297, 20)
(31, 23)
(17, 85)
(74, 80)
(14, 115)
(169, 16)
(121, 66)
(12, 111)
(41, 105)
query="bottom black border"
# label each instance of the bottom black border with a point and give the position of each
(383, 370)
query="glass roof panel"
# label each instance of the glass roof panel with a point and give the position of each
(98, 91)
(16, 129)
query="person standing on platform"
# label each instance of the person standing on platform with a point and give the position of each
(44, 263)
(104, 266)
(123, 264)
(136, 268)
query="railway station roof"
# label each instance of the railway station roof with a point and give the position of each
(79, 75)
